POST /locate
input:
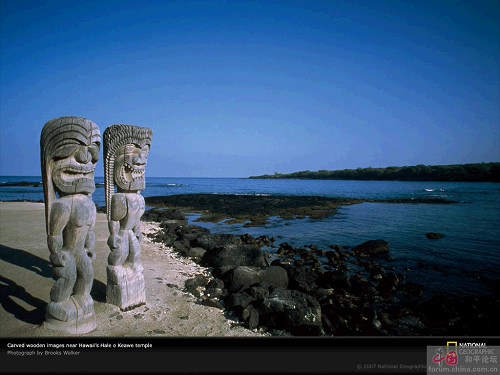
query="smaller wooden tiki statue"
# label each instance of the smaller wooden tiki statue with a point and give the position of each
(126, 151)
(69, 153)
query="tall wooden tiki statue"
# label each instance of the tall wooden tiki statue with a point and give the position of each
(69, 153)
(126, 151)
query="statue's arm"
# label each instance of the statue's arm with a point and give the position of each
(59, 217)
(90, 241)
(118, 212)
(137, 227)
(114, 238)
(137, 230)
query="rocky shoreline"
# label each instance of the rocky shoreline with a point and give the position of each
(309, 291)
(255, 210)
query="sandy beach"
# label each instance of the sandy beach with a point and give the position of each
(26, 280)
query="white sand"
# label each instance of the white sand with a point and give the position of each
(169, 310)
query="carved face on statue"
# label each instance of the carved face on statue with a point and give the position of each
(130, 166)
(70, 151)
(74, 165)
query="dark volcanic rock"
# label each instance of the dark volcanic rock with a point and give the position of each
(170, 226)
(286, 249)
(247, 239)
(182, 246)
(191, 233)
(335, 279)
(388, 283)
(211, 302)
(259, 292)
(196, 253)
(193, 285)
(215, 289)
(239, 300)
(273, 277)
(358, 284)
(414, 289)
(253, 317)
(216, 284)
(256, 209)
(163, 213)
(292, 311)
(434, 236)
(218, 241)
(242, 278)
(232, 256)
(301, 278)
(372, 248)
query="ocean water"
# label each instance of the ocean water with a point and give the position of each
(455, 264)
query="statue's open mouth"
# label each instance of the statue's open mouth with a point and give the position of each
(74, 178)
(134, 172)
(72, 174)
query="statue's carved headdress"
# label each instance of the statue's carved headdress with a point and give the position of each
(129, 176)
(60, 141)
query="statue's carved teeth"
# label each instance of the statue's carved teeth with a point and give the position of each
(77, 172)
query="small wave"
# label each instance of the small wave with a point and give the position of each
(431, 190)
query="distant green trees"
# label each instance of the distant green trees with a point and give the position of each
(479, 172)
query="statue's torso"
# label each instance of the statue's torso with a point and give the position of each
(135, 208)
(82, 215)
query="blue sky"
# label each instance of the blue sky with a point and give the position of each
(240, 88)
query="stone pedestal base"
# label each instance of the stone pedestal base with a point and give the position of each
(75, 316)
(125, 287)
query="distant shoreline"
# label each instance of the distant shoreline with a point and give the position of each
(478, 172)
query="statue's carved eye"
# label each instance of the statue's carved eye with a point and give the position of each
(132, 148)
(94, 151)
(65, 151)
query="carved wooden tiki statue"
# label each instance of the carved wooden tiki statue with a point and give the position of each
(126, 151)
(69, 153)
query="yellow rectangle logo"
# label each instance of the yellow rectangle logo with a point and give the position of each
(451, 344)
